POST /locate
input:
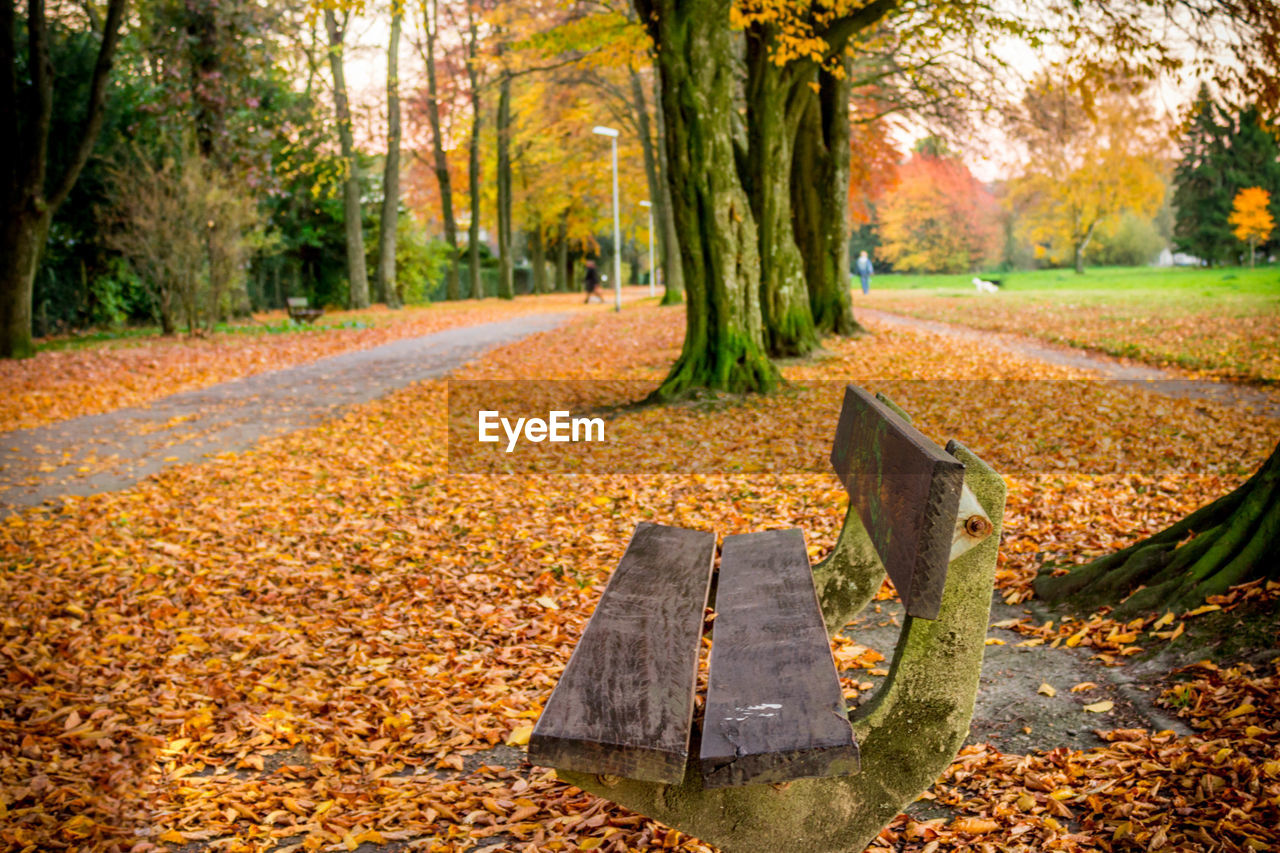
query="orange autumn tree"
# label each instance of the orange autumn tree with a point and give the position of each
(873, 169)
(940, 218)
(1251, 216)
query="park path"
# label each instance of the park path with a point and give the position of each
(114, 450)
(1146, 377)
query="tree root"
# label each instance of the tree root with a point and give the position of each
(1232, 540)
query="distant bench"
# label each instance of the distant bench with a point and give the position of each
(774, 709)
(299, 311)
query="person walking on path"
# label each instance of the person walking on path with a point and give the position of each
(865, 271)
(593, 283)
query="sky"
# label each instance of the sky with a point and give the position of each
(989, 154)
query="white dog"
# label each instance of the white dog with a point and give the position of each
(986, 286)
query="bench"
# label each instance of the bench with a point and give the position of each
(621, 720)
(299, 312)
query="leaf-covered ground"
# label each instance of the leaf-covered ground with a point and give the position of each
(315, 644)
(59, 384)
(1224, 337)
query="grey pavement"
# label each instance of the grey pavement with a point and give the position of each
(114, 450)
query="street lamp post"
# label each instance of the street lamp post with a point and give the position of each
(652, 270)
(617, 239)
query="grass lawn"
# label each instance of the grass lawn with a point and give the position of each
(1216, 322)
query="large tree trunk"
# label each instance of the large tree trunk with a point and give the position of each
(668, 240)
(453, 283)
(473, 165)
(29, 195)
(385, 276)
(820, 201)
(506, 283)
(774, 96)
(724, 336)
(1232, 540)
(357, 276)
(22, 239)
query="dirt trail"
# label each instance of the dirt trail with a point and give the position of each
(114, 450)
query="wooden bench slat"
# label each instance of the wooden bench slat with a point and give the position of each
(624, 704)
(907, 492)
(775, 710)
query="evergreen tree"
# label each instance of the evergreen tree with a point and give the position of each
(1202, 194)
(1221, 155)
(1255, 162)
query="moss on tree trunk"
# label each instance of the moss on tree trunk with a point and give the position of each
(1232, 540)
(724, 340)
(669, 243)
(775, 96)
(820, 199)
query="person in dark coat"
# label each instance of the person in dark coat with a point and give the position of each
(593, 282)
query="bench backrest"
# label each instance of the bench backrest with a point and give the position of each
(297, 302)
(906, 491)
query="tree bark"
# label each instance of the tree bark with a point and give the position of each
(562, 256)
(28, 194)
(385, 275)
(208, 103)
(724, 336)
(506, 283)
(1233, 540)
(538, 250)
(668, 240)
(453, 283)
(357, 275)
(21, 244)
(1081, 244)
(652, 176)
(473, 165)
(820, 202)
(775, 98)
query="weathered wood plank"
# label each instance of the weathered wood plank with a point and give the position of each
(774, 710)
(624, 704)
(907, 492)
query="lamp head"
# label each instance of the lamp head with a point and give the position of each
(605, 131)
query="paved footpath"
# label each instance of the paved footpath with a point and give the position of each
(1254, 400)
(114, 450)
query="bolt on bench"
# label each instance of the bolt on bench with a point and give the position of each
(620, 722)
